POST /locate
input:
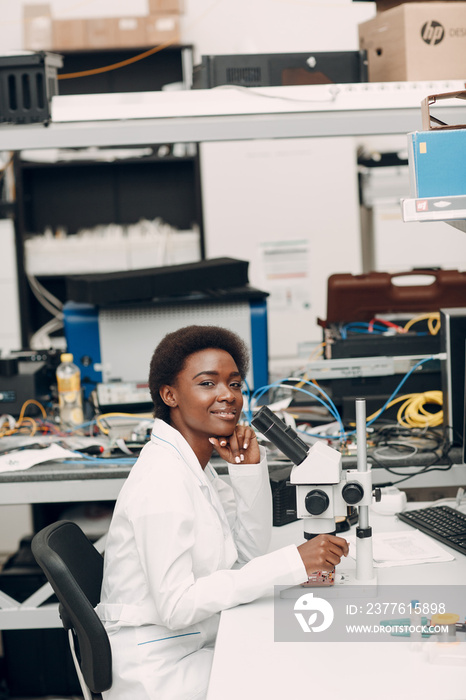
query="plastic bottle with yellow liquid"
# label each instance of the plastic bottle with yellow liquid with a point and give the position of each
(70, 405)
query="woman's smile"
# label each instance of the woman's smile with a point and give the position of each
(228, 414)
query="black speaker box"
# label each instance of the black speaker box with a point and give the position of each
(152, 283)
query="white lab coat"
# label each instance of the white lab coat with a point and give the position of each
(183, 545)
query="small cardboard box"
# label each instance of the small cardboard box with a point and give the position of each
(101, 32)
(37, 27)
(162, 6)
(69, 34)
(162, 28)
(131, 31)
(437, 166)
(416, 41)
(383, 5)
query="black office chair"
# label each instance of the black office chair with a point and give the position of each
(74, 569)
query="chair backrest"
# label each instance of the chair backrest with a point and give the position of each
(74, 569)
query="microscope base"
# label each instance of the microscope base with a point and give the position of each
(345, 585)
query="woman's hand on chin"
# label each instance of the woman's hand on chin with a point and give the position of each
(238, 448)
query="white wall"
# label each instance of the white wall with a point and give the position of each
(255, 192)
(10, 331)
(253, 26)
(304, 190)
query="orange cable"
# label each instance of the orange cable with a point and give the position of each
(139, 57)
(120, 64)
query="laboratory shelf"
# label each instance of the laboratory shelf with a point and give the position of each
(100, 181)
(229, 115)
(81, 195)
(206, 128)
(452, 210)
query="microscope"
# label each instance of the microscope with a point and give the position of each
(323, 490)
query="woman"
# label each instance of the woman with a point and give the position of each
(184, 545)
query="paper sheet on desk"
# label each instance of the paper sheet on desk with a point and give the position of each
(402, 549)
(24, 459)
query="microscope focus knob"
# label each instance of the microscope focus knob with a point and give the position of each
(377, 493)
(352, 493)
(316, 502)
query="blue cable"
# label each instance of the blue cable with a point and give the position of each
(247, 393)
(407, 375)
(379, 413)
(324, 393)
(363, 327)
(259, 392)
(291, 386)
(364, 324)
(99, 460)
(364, 331)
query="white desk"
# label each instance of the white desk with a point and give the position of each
(248, 664)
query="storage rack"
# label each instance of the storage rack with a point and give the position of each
(361, 110)
(86, 192)
(219, 115)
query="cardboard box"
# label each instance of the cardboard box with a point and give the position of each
(383, 5)
(162, 29)
(162, 6)
(68, 34)
(101, 33)
(416, 41)
(37, 27)
(131, 31)
(116, 32)
(437, 166)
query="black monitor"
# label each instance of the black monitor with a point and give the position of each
(453, 345)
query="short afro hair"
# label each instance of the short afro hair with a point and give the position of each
(171, 353)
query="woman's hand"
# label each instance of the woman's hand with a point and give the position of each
(240, 447)
(323, 553)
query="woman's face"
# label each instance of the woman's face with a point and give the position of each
(206, 399)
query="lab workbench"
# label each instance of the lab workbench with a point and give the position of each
(53, 482)
(76, 481)
(60, 482)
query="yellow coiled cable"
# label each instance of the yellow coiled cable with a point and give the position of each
(412, 412)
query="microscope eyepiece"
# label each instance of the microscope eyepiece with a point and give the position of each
(280, 434)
